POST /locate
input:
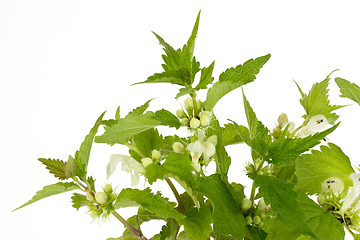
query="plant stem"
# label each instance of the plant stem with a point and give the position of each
(129, 226)
(253, 188)
(177, 196)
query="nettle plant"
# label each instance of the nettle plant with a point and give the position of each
(285, 168)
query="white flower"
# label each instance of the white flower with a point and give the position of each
(315, 124)
(128, 164)
(353, 196)
(198, 149)
(333, 184)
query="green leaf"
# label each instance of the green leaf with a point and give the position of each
(55, 166)
(228, 220)
(170, 230)
(231, 136)
(234, 78)
(316, 101)
(82, 156)
(79, 200)
(256, 233)
(166, 118)
(285, 150)
(348, 89)
(139, 110)
(197, 223)
(51, 190)
(283, 200)
(184, 91)
(206, 77)
(126, 128)
(146, 199)
(70, 168)
(179, 65)
(146, 142)
(221, 157)
(312, 169)
(323, 224)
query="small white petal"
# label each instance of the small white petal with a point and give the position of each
(196, 147)
(146, 161)
(317, 122)
(333, 184)
(135, 179)
(209, 149)
(114, 160)
(355, 177)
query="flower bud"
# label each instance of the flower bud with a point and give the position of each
(146, 161)
(321, 199)
(198, 104)
(155, 154)
(204, 120)
(206, 113)
(261, 204)
(246, 204)
(178, 147)
(212, 139)
(189, 105)
(101, 197)
(262, 216)
(256, 220)
(108, 188)
(209, 149)
(96, 214)
(194, 123)
(181, 114)
(89, 197)
(248, 220)
(185, 121)
(282, 120)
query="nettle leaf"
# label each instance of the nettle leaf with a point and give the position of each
(70, 168)
(316, 102)
(206, 77)
(55, 166)
(230, 135)
(82, 156)
(180, 67)
(228, 220)
(154, 203)
(221, 157)
(185, 91)
(324, 225)
(283, 200)
(137, 111)
(198, 223)
(256, 233)
(51, 190)
(234, 78)
(146, 142)
(285, 150)
(348, 89)
(126, 128)
(312, 169)
(79, 200)
(170, 230)
(166, 118)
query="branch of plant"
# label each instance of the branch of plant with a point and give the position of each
(177, 195)
(128, 225)
(253, 188)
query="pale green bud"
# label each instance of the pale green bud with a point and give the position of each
(262, 216)
(112, 197)
(101, 197)
(89, 197)
(198, 104)
(246, 204)
(146, 161)
(256, 220)
(204, 120)
(108, 188)
(212, 139)
(261, 204)
(206, 113)
(155, 154)
(321, 199)
(282, 120)
(178, 147)
(185, 121)
(194, 123)
(189, 104)
(96, 214)
(248, 220)
(181, 114)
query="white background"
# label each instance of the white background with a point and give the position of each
(62, 63)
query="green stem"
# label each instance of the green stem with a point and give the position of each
(196, 110)
(177, 196)
(132, 147)
(253, 188)
(129, 226)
